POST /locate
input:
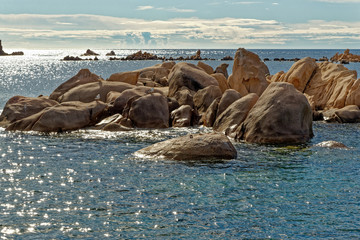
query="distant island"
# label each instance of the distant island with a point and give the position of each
(2, 53)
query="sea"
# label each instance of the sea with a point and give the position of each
(88, 184)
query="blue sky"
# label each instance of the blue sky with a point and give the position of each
(180, 24)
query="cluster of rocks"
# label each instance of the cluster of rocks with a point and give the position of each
(249, 105)
(72, 58)
(346, 57)
(3, 53)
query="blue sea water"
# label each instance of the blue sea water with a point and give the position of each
(88, 184)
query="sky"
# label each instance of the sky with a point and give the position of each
(194, 24)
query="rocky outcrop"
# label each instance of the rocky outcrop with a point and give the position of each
(19, 107)
(141, 56)
(190, 76)
(211, 146)
(353, 97)
(223, 70)
(249, 73)
(230, 119)
(282, 115)
(2, 53)
(222, 81)
(348, 114)
(111, 53)
(207, 68)
(84, 76)
(227, 99)
(126, 77)
(90, 53)
(331, 144)
(62, 117)
(183, 116)
(204, 97)
(345, 57)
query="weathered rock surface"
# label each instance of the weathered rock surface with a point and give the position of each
(230, 119)
(282, 115)
(192, 147)
(190, 76)
(353, 97)
(227, 99)
(19, 107)
(299, 74)
(222, 81)
(82, 77)
(249, 73)
(62, 117)
(150, 111)
(222, 69)
(204, 97)
(90, 53)
(126, 77)
(348, 114)
(93, 91)
(209, 117)
(345, 57)
(207, 68)
(182, 116)
(185, 97)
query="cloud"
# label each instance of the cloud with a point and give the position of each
(142, 8)
(339, 1)
(174, 33)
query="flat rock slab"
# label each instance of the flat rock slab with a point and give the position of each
(192, 147)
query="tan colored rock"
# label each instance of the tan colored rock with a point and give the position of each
(182, 117)
(204, 97)
(185, 97)
(84, 76)
(227, 99)
(345, 57)
(19, 107)
(223, 70)
(222, 81)
(249, 73)
(112, 96)
(210, 116)
(353, 97)
(330, 86)
(229, 120)
(126, 77)
(348, 114)
(282, 115)
(93, 91)
(150, 111)
(208, 146)
(62, 117)
(299, 74)
(207, 68)
(190, 76)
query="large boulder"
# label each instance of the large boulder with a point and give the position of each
(353, 97)
(229, 120)
(185, 97)
(126, 77)
(84, 76)
(93, 91)
(19, 107)
(221, 80)
(192, 147)
(222, 69)
(207, 68)
(190, 76)
(330, 86)
(156, 75)
(299, 74)
(282, 115)
(227, 99)
(209, 117)
(62, 117)
(248, 74)
(182, 116)
(204, 97)
(348, 114)
(150, 111)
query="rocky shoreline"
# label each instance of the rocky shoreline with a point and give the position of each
(250, 105)
(3, 53)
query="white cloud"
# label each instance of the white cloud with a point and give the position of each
(142, 8)
(339, 1)
(174, 33)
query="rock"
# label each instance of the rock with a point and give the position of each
(330, 85)
(207, 68)
(227, 58)
(249, 73)
(93, 91)
(222, 81)
(282, 115)
(19, 107)
(185, 97)
(142, 56)
(62, 117)
(72, 58)
(223, 70)
(353, 97)
(209, 117)
(111, 53)
(190, 76)
(348, 114)
(299, 74)
(182, 117)
(150, 111)
(122, 99)
(90, 53)
(331, 144)
(229, 120)
(197, 55)
(82, 77)
(192, 147)
(204, 97)
(345, 57)
(126, 77)
(2, 53)
(229, 97)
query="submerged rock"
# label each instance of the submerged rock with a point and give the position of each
(192, 147)
(331, 144)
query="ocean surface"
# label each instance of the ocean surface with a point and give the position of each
(89, 185)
